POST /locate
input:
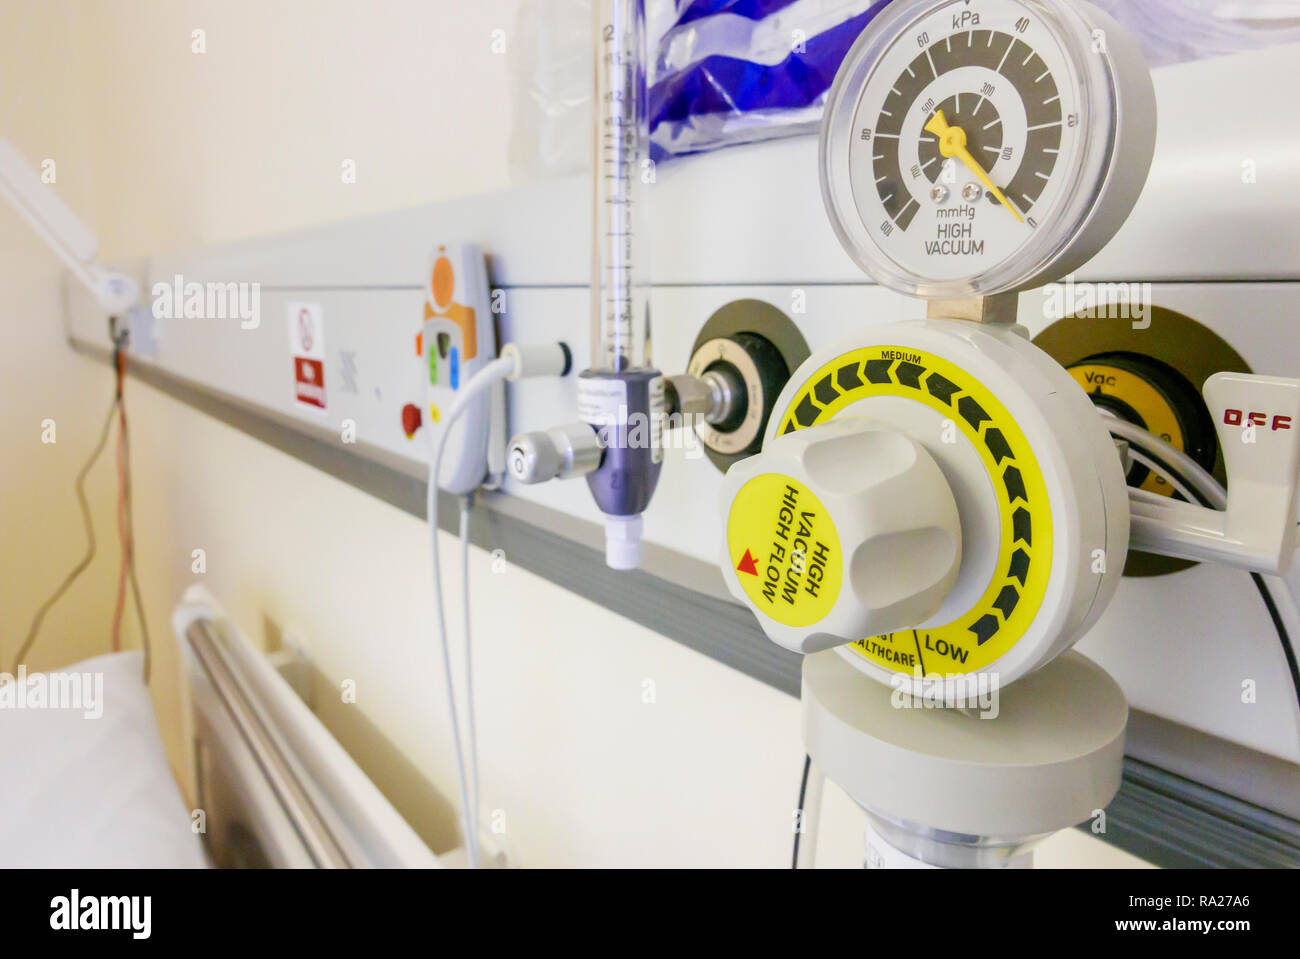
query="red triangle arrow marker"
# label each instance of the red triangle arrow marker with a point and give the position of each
(747, 564)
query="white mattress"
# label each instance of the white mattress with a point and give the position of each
(80, 790)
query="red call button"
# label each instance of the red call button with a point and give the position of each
(411, 419)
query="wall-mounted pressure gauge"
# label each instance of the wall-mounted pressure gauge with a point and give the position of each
(974, 147)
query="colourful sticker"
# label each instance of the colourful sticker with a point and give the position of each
(785, 550)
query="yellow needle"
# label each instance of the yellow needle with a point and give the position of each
(952, 143)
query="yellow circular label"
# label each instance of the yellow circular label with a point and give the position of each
(784, 549)
(1144, 399)
(1015, 593)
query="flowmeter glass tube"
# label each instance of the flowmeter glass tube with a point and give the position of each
(620, 265)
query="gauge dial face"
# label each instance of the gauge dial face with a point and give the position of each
(972, 95)
(967, 141)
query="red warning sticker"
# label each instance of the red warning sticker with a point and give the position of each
(307, 343)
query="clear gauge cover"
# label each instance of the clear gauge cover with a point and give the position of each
(970, 148)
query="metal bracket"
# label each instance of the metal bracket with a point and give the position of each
(1000, 309)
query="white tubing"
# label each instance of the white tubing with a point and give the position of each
(494, 372)
(475, 804)
(1167, 475)
(1195, 473)
(537, 359)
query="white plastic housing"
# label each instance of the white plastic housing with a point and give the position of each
(1081, 476)
(1258, 422)
(1049, 754)
(457, 340)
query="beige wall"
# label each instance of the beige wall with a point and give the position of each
(160, 148)
(44, 112)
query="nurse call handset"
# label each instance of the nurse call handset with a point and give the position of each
(455, 341)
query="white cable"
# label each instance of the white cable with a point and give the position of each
(1168, 475)
(1195, 474)
(466, 502)
(494, 372)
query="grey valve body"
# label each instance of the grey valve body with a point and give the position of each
(626, 411)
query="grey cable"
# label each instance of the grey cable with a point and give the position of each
(466, 503)
(91, 545)
(471, 850)
(145, 644)
(495, 371)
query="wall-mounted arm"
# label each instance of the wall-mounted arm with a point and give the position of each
(70, 239)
